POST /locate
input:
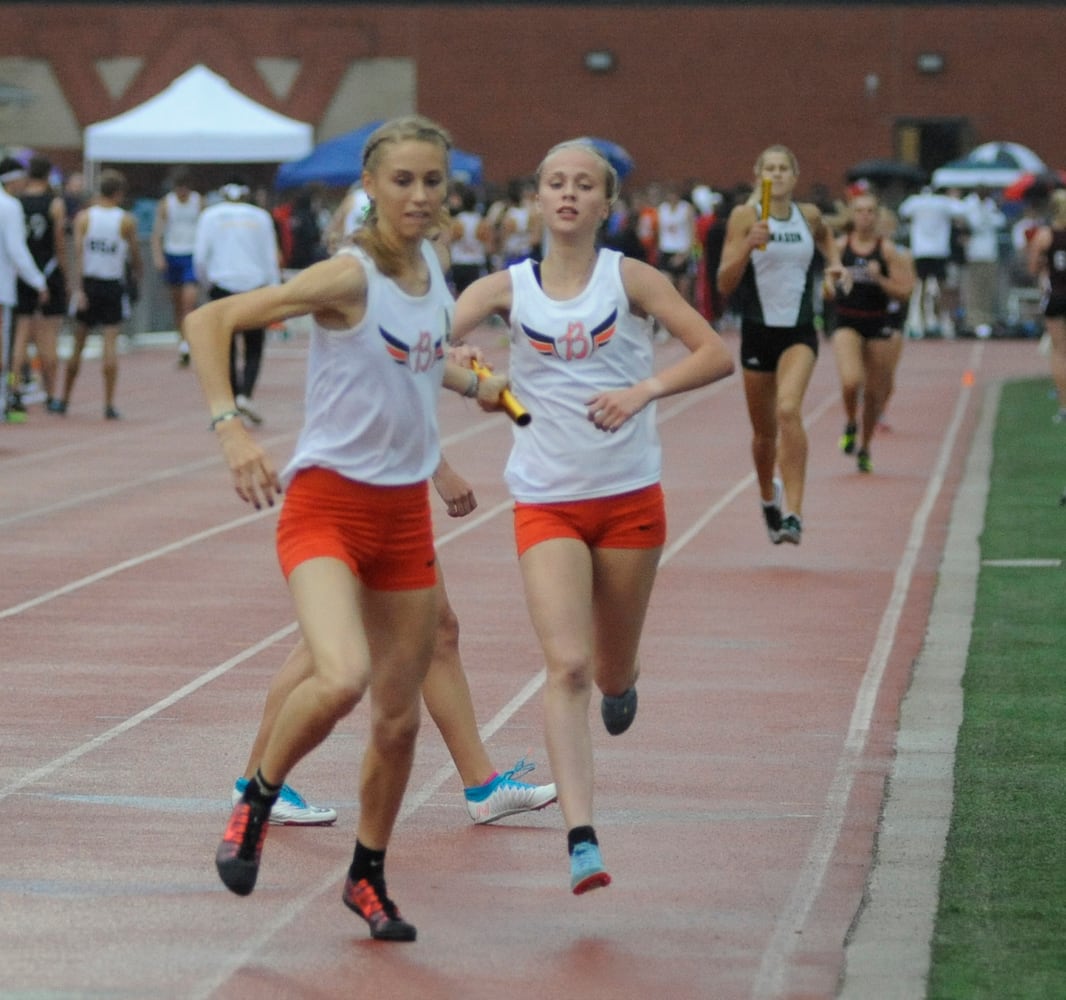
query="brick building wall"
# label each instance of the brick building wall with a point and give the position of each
(696, 90)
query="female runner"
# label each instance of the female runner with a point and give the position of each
(589, 512)
(1047, 260)
(365, 597)
(866, 336)
(769, 263)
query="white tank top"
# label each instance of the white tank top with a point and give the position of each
(782, 272)
(372, 390)
(179, 236)
(563, 353)
(518, 243)
(104, 248)
(468, 249)
(675, 227)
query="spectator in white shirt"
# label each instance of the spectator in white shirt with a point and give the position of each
(237, 251)
(985, 221)
(931, 217)
(15, 262)
(677, 236)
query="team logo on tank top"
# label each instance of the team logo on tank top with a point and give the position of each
(419, 357)
(577, 343)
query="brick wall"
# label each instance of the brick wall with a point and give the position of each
(696, 92)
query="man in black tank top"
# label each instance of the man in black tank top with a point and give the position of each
(36, 320)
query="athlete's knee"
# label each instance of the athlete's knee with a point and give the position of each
(343, 696)
(850, 383)
(395, 733)
(789, 413)
(447, 634)
(340, 690)
(570, 671)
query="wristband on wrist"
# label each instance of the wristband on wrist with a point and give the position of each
(471, 390)
(222, 418)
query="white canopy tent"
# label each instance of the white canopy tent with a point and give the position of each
(992, 164)
(199, 118)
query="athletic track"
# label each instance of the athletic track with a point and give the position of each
(143, 616)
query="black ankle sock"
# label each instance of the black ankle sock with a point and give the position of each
(367, 863)
(580, 835)
(260, 788)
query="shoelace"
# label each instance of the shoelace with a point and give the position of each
(238, 823)
(373, 905)
(242, 822)
(522, 766)
(293, 797)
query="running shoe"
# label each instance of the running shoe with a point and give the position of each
(847, 439)
(864, 462)
(16, 413)
(110, 413)
(237, 857)
(505, 795)
(791, 529)
(371, 902)
(1060, 417)
(291, 809)
(57, 406)
(619, 711)
(244, 404)
(586, 869)
(771, 513)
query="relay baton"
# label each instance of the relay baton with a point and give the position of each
(514, 409)
(766, 185)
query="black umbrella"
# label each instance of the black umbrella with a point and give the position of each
(886, 171)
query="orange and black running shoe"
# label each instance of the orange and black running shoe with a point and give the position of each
(370, 901)
(237, 857)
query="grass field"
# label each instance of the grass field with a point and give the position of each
(1001, 926)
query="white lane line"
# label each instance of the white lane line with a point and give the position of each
(468, 525)
(161, 475)
(52, 766)
(194, 685)
(82, 499)
(1022, 563)
(102, 494)
(48, 456)
(164, 550)
(730, 495)
(416, 798)
(75, 585)
(772, 978)
(120, 567)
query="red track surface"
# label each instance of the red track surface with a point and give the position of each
(143, 616)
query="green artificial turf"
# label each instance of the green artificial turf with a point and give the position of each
(1001, 925)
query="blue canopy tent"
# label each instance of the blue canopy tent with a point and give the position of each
(338, 162)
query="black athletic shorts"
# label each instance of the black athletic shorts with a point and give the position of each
(56, 305)
(761, 346)
(877, 327)
(675, 264)
(1055, 307)
(108, 305)
(931, 267)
